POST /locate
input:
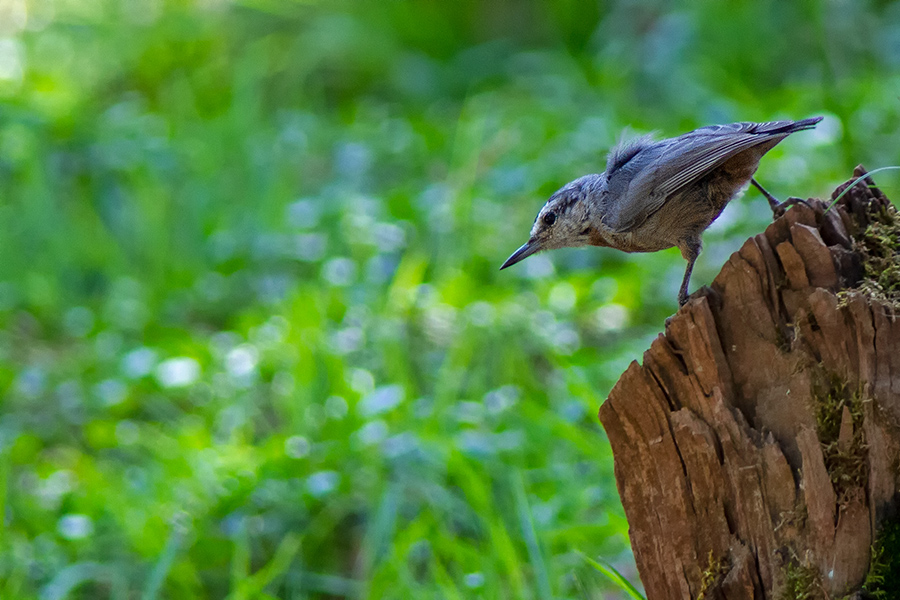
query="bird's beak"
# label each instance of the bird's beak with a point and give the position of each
(527, 249)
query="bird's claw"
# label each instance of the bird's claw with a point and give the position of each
(779, 209)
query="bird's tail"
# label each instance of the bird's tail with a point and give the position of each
(804, 124)
(782, 128)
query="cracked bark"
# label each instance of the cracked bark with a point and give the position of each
(717, 443)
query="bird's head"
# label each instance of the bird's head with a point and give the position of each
(565, 220)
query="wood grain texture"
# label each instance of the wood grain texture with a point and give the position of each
(718, 437)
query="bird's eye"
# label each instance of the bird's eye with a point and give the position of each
(550, 218)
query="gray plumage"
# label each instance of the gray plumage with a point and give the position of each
(656, 195)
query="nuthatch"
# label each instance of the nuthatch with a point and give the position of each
(656, 195)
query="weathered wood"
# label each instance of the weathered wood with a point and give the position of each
(763, 429)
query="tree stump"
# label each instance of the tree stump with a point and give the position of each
(757, 448)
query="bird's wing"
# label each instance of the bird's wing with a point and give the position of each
(625, 151)
(643, 183)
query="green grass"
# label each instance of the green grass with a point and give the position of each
(254, 340)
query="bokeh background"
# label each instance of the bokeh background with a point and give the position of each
(254, 340)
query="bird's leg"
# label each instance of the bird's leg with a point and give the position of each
(690, 250)
(773, 201)
(778, 208)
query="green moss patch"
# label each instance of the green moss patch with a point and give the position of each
(716, 569)
(845, 460)
(801, 582)
(883, 580)
(879, 246)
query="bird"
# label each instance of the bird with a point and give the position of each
(655, 195)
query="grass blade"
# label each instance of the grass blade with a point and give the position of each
(531, 540)
(857, 180)
(161, 569)
(617, 578)
(254, 585)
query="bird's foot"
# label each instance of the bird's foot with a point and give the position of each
(682, 300)
(778, 208)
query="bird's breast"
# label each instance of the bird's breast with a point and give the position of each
(631, 241)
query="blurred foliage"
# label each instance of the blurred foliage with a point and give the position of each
(254, 341)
